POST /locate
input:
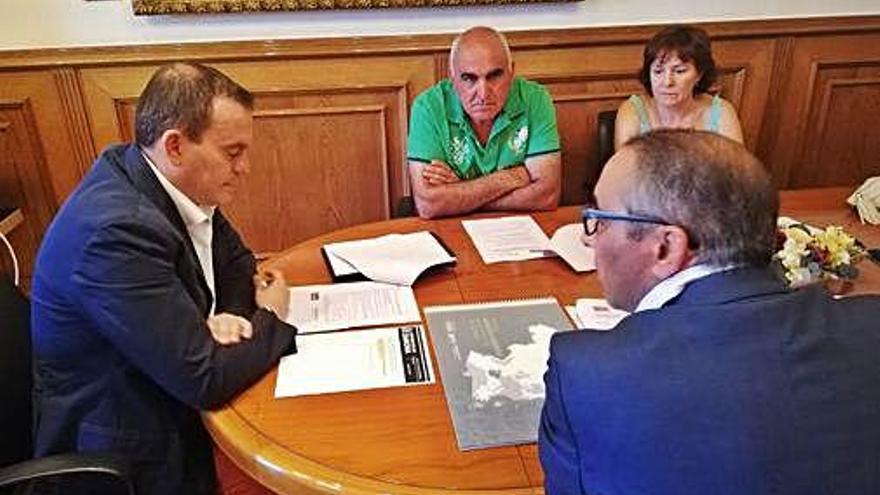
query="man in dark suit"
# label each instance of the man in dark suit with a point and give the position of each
(145, 309)
(721, 381)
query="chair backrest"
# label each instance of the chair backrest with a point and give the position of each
(605, 131)
(16, 378)
(604, 151)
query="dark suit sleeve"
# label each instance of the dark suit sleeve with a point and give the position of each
(125, 280)
(556, 444)
(234, 268)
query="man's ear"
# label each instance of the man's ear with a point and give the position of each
(172, 142)
(671, 251)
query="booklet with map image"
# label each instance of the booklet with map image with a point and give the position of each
(492, 359)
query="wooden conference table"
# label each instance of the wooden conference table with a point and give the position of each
(401, 440)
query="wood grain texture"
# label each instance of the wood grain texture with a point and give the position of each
(37, 164)
(332, 114)
(828, 133)
(400, 440)
(322, 48)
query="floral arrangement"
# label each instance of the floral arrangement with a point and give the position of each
(808, 254)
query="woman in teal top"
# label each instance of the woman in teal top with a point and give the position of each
(677, 72)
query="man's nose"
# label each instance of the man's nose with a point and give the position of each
(242, 166)
(482, 89)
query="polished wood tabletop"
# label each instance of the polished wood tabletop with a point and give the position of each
(401, 440)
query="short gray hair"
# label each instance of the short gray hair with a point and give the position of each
(712, 187)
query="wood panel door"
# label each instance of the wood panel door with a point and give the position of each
(586, 81)
(329, 139)
(39, 164)
(829, 133)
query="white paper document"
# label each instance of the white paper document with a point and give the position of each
(507, 238)
(317, 308)
(568, 244)
(393, 258)
(355, 360)
(597, 314)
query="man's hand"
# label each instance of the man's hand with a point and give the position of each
(438, 173)
(229, 329)
(271, 292)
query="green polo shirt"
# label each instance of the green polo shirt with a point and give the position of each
(439, 130)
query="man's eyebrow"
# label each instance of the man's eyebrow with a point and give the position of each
(467, 74)
(495, 73)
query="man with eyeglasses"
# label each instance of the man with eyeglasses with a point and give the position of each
(721, 381)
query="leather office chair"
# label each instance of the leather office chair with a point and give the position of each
(604, 150)
(406, 207)
(19, 473)
(605, 131)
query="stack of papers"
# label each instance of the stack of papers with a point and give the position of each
(520, 238)
(330, 361)
(595, 314)
(507, 238)
(355, 360)
(394, 258)
(318, 308)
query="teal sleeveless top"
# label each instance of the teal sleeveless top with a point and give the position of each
(645, 122)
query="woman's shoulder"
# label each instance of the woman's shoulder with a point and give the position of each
(709, 100)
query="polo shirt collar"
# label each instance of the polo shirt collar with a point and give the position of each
(191, 213)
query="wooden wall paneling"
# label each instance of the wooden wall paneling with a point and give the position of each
(830, 135)
(110, 96)
(37, 164)
(75, 116)
(329, 144)
(745, 69)
(582, 82)
(774, 113)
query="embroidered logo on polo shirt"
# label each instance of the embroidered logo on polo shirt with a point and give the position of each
(460, 152)
(518, 141)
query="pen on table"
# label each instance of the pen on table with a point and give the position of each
(545, 252)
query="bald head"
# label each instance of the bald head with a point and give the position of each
(481, 72)
(480, 38)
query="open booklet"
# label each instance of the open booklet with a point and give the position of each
(519, 238)
(394, 258)
(355, 360)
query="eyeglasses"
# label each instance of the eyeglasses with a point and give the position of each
(593, 218)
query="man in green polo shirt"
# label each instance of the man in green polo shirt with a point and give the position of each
(483, 139)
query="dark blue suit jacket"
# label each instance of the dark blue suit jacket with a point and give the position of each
(124, 359)
(738, 386)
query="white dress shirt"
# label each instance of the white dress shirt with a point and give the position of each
(669, 288)
(198, 221)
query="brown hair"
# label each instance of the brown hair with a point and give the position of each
(180, 96)
(691, 44)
